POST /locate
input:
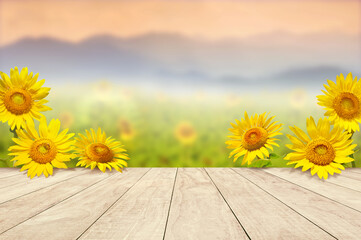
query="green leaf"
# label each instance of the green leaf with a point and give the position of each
(261, 163)
(273, 155)
(277, 160)
(9, 162)
(4, 163)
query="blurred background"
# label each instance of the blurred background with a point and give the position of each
(167, 77)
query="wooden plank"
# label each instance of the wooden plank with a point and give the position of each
(16, 179)
(141, 213)
(30, 185)
(335, 192)
(22, 208)
(354, 176)
(70, 218)
(347, 179)
(198, 211)
(262, 215)
(351, 174)
(340, 221)
(8, 172)
(355, 170)
(23, 179)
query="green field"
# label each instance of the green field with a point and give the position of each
(146, 122)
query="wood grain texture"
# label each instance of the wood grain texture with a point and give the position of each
(347, 179)
(351, 174)
(355, 170)
(188, 203)
(26, 185)
(22, 179)
(70, 218)
(141, 213)
(335, 192)
(22, 208)
(198, 210)
(7, 172)
(254, 208)
(340, 221)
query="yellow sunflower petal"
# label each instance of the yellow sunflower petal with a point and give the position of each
(342, 102)
(39, 154)
(323, 151)
(252, 137)
(21, 102)
(95, 149)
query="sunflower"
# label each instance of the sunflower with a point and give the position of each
(21, 98)
(127, 131)
(323, 151)
(232, 100)
(103, 90)
(95, 149)
(67, 119)
(39, 153)
(252, 136)
(342, 102)
(298, 98)
(185, 133)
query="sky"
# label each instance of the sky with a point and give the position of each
(75, 21)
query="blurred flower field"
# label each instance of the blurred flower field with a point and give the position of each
(161, 129)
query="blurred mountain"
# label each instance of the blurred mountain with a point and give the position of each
(307, 75)
(171, 59)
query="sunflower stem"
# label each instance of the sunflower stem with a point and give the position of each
(353, 164)
(186, 157)
(15, 136)
(14, 132)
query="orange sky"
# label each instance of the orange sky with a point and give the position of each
(74, 21)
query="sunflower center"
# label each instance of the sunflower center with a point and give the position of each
(186, 131)
(99, 152)
(347, 105)
(254, 138)
(18, 101)
(18, 98)
(320, 152)
(125, 127)
(43, 151)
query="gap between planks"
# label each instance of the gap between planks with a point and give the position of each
(337, 219)
(255, 207)
(184, 203)
(82, 209)
(22, 208)
(336, 192)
